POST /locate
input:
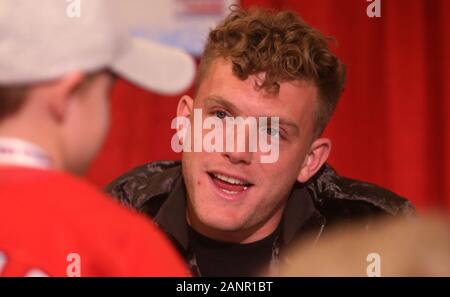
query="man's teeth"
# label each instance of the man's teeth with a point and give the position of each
(230, 180)
(229, 192)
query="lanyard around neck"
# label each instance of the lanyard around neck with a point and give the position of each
(18, 152)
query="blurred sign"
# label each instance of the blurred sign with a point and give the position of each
(181, 23)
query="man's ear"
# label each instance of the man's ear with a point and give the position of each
(317, 156)
(184, 112)
(185, 106)
(62, 93)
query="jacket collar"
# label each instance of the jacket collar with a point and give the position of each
(299, 214)
(172, 215)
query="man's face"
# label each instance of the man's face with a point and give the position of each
(217, 208)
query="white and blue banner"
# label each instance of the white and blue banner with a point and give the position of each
(180, 23)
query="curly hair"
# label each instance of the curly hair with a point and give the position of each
(283, 47)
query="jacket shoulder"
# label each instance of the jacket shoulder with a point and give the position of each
(340, 196)
(143, 183)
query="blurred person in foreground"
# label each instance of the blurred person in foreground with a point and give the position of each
(229, 213)
(56, 73)
(390, 247)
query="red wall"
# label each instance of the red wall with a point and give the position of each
(391, 125)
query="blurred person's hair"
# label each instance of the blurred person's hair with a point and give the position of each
(283, 47)
(13, 97)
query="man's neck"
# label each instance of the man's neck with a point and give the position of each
(249, 235)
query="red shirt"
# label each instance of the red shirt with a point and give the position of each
(55, 224)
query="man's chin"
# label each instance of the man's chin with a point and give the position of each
(221, 226)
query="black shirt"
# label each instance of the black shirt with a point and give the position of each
(217, 258)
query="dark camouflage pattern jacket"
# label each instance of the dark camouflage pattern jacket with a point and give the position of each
(157, 190)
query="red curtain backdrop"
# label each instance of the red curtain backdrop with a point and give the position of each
(391, 126)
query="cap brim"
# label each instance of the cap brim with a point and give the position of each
(159, 68)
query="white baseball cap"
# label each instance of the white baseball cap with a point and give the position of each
(41, 40)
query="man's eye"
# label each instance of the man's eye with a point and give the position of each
(221, 114)
(271, 131)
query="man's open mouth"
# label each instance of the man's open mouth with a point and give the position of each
(229, 184)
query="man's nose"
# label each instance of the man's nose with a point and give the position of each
(239, 157)
(240, 141)
(240, 152)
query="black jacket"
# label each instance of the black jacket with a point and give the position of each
(157, 190)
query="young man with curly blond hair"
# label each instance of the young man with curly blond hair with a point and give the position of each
(229, 213)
